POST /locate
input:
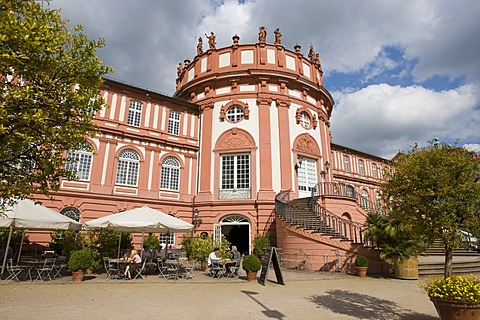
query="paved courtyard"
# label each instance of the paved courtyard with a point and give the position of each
(305, 295)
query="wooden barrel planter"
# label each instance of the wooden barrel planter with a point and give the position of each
(407, 270)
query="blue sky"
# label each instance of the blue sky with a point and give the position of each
(401, 72)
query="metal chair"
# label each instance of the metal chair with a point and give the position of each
(162, 268)
(110, 268)
(217, 269)
(173, 266)
(139, 271)
(44, 272)
(188, 268)
(59, 266)
(233, 270)
(13, 271)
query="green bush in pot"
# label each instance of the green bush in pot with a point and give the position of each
(83, 259)
(251, 263)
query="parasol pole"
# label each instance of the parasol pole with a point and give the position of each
(21, 246)
(6, 250)
(119, 242)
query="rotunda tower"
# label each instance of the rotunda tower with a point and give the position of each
(264, 122)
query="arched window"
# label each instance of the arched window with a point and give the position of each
(71, 212)
(170, 177)
(128, 167)
(350, 191)
(79, 163)
(365, 202)
(378, 202)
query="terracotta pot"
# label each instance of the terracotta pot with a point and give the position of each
(251, 275)
(361, 271)
(77, 276)
(456, 310)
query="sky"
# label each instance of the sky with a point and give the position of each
(401, 72)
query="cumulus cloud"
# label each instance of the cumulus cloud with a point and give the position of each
(383, 119)
(389, 103)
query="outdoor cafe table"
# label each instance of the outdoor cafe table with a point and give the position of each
(120, 266)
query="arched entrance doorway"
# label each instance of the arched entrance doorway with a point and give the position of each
(236, 230)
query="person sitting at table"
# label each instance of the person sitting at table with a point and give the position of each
(133, 262)
(235, 258)
(213, 257)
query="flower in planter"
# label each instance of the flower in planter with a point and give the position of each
(459, 288)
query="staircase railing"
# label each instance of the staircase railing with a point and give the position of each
(348, 191)
(317, 218)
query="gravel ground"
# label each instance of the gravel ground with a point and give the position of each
(305, 295)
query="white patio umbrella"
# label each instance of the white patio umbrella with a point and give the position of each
(25, 214)
(143, 219)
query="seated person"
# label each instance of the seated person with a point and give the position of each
(213, 256)
(9, 252)
(235, 256)
(133, 262)
(147, 253)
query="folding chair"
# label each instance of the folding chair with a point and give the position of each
(59, 266)
(45, 271)
(162, 268)
(173, 266)
(217, 270)
(139, 271)
(110, 268)
(233, 270)
(188, 268)
(13, 271)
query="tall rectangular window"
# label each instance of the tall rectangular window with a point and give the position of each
(346, 164)
(374, 170)
(236, 172)
(361, 169)
(174, 123)
(134, 114)
(80, 163)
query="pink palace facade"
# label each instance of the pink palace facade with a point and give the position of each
(243, 146)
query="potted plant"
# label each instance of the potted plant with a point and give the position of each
(399, 247)
(80, 261)
(251, 264)
(455, 297)
(260, 243)
(361, 265)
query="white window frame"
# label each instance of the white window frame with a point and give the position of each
(171, 238)
(361, 168)
(135, 113)
(128, 168)
(81, 165)
(235, 113)
(305, 120)
(170, 175)
(234, 182)
(346, 163)
(174, 122)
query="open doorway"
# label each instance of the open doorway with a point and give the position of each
(236, 230)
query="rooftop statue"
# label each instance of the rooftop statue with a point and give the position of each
(278, 36)
(211, 41)
(179, 69)
(262, 34)
(199, 46)
(311, 53)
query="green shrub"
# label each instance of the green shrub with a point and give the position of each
(151, 241)
(361, 261)
(260, 243)
(83, 259)
(251, 263)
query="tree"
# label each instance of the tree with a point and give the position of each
(50, 80)
(435, 192)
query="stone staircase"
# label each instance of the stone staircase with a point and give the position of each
(432, 263)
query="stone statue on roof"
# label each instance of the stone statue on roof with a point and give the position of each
(211, 40)
(278, 36)
(199, 46)
(262, 34)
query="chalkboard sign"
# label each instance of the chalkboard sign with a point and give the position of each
(270, 258)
